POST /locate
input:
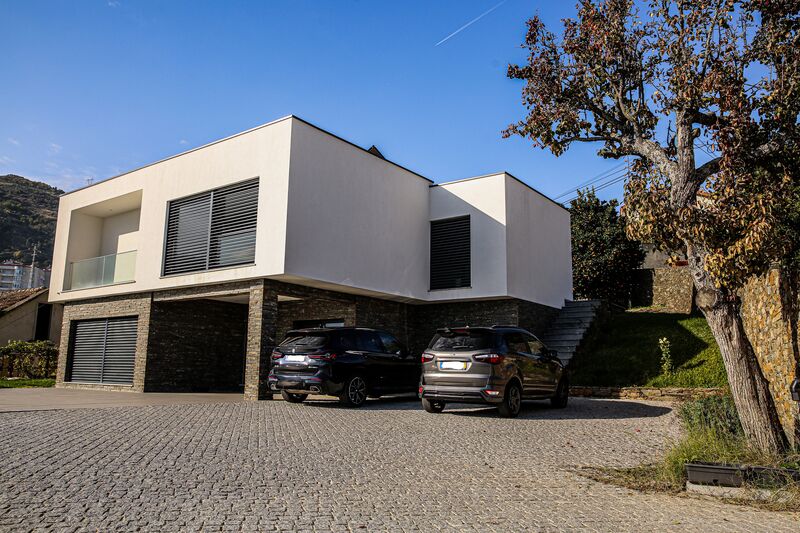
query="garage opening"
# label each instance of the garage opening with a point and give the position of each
(197, 345)
(103, 351)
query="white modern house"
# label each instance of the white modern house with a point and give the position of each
(182, 275)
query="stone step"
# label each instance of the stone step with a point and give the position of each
(571, 337)
(567, 322)
(592, 304)
(565, 331)
(577, 313)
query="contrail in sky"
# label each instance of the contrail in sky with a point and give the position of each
(470, 23)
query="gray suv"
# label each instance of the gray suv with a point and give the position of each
(498, 365)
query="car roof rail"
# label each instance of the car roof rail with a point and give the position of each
(505, 326)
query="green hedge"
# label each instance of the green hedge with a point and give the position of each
(30, 359)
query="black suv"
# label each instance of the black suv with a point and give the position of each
(499, 365)
(351, 363)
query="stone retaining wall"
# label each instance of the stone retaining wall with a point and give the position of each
(770, 314)
(670, 394)
(670, 289)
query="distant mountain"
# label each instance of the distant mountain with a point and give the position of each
(28, 211)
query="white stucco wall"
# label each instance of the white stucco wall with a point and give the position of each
(354, 219)
(330, 214)
(120, 233)
(539, 246)
(262, 152)
(483, 199)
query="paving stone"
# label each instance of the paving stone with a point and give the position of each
(316, 467)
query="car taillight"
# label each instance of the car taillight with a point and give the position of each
(491, 358)
(324, 356)
(276, 354)
(427, 357)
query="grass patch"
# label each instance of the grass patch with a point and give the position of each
(713, 435)
(25, 383)
(627, 353)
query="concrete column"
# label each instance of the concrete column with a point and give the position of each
(262, 320)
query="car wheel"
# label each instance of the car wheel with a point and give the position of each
(292, 397)
(560, 400)
(354, 393)
(512, 401)
(432, 407)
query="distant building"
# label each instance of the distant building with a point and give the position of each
(27, 315)
(15, 276)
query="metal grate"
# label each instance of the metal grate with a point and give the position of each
(211, 230)
(450, 253)
(103, 351)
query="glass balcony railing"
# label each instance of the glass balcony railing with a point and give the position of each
(103, 270)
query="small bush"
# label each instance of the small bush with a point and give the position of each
(715, 413)
(31, 359)
(666, 357)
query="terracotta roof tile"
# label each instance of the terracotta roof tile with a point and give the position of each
(11, 298)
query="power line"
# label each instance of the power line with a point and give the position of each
(614, 178)
(603, 185)
(595, 179)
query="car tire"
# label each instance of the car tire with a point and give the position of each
(512, 401)
(292, 397)
(433, 406)
(354, 392)
(561, 399)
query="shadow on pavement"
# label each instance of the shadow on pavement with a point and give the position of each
(578, 409)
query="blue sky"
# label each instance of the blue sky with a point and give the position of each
(92, 88)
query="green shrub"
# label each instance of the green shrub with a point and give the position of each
(31, 359)
(715, 413)
(15, 383)
(667, 365)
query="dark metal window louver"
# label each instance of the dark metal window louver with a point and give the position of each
(103, 351)
(213, 229)
(450, 253)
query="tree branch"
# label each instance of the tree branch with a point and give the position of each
(706, 170)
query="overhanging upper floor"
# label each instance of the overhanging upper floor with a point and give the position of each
(291, 202)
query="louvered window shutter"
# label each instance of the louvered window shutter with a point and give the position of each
(103, 351)
(233, 225)
(450, 253)
(212, 230)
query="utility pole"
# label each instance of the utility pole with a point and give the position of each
(33, 265)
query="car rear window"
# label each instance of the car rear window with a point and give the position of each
(305, 340)
(462, 340)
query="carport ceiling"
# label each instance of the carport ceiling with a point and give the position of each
(244, 298)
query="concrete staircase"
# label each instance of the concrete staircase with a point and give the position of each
(569, 328)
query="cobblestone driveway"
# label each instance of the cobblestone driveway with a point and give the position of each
(390, 466)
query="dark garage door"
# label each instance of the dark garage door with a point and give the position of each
(103, 351)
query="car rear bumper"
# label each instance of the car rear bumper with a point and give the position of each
(303, 384)
(459, 394)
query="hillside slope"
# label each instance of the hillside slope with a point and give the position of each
(28, 211)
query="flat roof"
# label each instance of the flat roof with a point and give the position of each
(509, 174)
(287, 117)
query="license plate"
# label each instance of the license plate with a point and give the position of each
(453, 365)
(296, 358)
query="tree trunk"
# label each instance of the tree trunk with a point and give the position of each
(749, 387)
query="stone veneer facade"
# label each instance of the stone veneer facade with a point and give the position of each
(183, 346)
(670, 289)
(770, 313)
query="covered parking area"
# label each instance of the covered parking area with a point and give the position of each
(215, 338)
(199, 342)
